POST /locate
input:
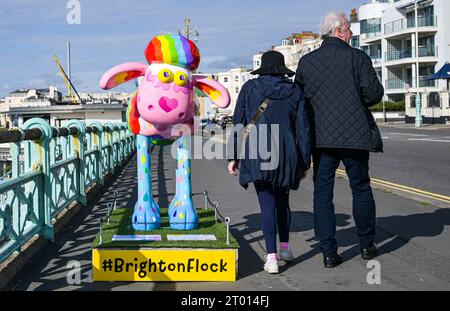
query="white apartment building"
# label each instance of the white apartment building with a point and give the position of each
(386, 30)
(293, 48)
(232, 80)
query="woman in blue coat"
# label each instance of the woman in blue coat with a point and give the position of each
(283, 129)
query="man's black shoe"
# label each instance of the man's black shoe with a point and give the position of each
(332, 261)
(369, 252)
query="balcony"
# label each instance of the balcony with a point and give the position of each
(427, 83)
(428, 51)
(399, 54)
(407, 23)
(403, 84)
(426, 21)
(424, 51)
(372, 31)
(397, 84)
(395, 26)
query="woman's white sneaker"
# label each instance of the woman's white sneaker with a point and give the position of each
(271, 265)
(286, 255)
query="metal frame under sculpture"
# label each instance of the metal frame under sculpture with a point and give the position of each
(161, 112)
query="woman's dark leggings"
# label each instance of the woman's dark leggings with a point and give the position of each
(274, 203)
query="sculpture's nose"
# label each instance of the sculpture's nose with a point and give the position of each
(168, 104)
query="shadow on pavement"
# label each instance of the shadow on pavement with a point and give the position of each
(394, 231)
(250, 262)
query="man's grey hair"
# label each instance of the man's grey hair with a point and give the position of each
(331, 22)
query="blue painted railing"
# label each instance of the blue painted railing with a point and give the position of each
(60, 165)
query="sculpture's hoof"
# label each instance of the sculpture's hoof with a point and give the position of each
(184, 216)
(145, 217)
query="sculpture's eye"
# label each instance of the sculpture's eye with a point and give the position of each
(181, 78)
(165, 76)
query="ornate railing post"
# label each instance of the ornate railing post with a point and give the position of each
(128, 141)
(37, 157)
(15, 154)
(132, 142)
(123, 145)
(78, 147)
(117, 142)
(109, 139)
(65, 142)
(98, 144)
(116, 147)
(125, 142)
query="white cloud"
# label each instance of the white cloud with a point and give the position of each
(208, 60)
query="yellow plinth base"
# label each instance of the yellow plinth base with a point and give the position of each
(169, 264)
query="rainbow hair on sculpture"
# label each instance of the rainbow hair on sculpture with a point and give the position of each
(174, 50)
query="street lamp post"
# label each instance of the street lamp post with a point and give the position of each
(188, 31)
(418, 99)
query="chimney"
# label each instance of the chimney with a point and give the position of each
(354, 16)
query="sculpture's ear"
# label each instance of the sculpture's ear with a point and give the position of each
(213, 89)
(121, 74)
(133, 115)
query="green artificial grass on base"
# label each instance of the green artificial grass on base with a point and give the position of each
(120, 224)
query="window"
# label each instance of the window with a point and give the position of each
(426, 46)
(236, 78)
(425, 17)
(237, 90)
(374, 51)
(225, 79)
(425, 72)
(371, 25)
(243, 78)
(413, 101)
(434, 100)
(355, 42)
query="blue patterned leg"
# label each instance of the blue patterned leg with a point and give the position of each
(146, 214)
(184, 216)
(175, 197)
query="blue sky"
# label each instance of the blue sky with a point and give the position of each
(113, 32)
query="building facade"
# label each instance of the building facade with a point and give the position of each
(232, 80)
(407, 44)
(293, 48)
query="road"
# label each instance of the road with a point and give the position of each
(415, 158)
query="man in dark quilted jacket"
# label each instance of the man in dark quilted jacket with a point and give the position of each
(339, 84)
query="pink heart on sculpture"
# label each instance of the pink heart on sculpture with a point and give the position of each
(168, 104)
